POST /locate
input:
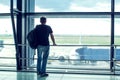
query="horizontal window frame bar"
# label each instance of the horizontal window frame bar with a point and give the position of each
(57, 59)
(68, 14)
(62, 45)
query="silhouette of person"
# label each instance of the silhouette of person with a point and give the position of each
(43, 31)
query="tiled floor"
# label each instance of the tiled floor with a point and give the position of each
(33, 76)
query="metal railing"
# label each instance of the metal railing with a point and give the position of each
(65, 66)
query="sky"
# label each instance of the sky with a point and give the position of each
(76, 5)
(69, 26)
(76, 26)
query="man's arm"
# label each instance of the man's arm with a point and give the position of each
(53, 39)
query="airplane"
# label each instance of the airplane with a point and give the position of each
(92, 55)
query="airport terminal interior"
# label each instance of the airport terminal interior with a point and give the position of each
(87, 34)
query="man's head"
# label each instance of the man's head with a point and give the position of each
(43, 20)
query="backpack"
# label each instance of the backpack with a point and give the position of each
(32, 39)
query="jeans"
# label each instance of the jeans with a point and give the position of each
(42, 56)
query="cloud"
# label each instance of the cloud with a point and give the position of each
(103, 7)
(94, 8)
(38, 9)
(75, 7)
(4, 8)
(55, 5)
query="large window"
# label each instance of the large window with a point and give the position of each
(85, 39)
(82, 30)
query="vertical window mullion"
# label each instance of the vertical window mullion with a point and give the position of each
(112, 37)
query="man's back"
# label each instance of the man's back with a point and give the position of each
(43, 32)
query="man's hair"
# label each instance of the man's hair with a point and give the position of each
(43, 19)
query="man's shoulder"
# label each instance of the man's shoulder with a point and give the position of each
(47, 25)
(39, 25)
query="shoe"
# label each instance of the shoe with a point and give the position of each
(44, 75)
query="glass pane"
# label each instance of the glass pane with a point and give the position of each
(7, 52)
(117, 59)
(5, 6)
(117, 53)
(75, 31)
(117, 42)
(117, 31)
(6, 32)
(117, 5)
(7, 49)
(72, 5)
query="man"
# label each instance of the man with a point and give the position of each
(43, 31)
